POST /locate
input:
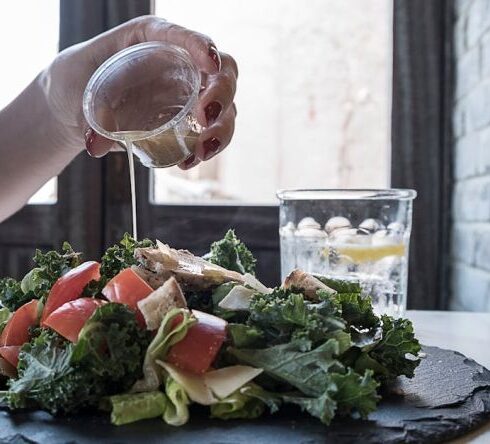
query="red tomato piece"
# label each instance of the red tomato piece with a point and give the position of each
(127, 288)
(70, 318)
(16, 332)
(198, 349)
(11, 354)
(70, 286)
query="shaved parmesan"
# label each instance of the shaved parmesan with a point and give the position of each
(254, 283)
(224, 381)
(158, 303)
(208, 388)
(238, 299)
(194, 385)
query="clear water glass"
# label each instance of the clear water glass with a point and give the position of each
(354, 235)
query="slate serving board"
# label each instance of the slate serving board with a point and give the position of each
(449, 396)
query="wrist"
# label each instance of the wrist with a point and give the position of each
(63, 131)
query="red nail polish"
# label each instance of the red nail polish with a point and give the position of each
(212, 111)
(90, 136)
(214, 54)
(211, 147)
(189, 161)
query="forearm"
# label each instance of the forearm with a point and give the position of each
(33, 148)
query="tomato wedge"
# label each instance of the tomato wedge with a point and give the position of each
(70, 286)
(11, 354)
(70, 318)
(198, 349)
(16, 332)
(127, 288)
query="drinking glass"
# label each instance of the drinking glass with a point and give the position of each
(353, 235)
(146, 95)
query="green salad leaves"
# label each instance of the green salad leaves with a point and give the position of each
(232, 254)
(120, 256)
(37, 283)
(325, 352)
(58, 376)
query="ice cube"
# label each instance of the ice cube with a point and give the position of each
(371, 225)
(343, 235)
(287, 230)
(385, 237)
(311, 232)
(337, 223)
(308, 222)
(362, 237)
(396, 228)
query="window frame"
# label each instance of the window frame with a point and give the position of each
(422, 140)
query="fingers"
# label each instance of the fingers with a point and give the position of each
(189, 163)
(97, 145)
(200, 47)
(220, 90)
(216, 137)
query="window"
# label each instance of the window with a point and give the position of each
(29, 30)
(313, 98)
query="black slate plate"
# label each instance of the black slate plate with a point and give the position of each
(449, 396)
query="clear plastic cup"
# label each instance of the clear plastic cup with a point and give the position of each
(146, 95)
(353, 235)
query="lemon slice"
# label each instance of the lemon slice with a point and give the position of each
(369, 253)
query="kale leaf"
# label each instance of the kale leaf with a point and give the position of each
(355, 393)
(357, 310)
(232, 254)
(58, 376)
(307, 371)
(11, 294)
(398, 349)
(37, 283)
(113, 346)
(121, 256)
(46, 378)
(285, 315)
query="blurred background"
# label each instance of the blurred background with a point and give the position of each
(331, 94)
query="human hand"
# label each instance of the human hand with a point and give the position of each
(65, 79)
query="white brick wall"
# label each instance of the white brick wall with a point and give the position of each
(471, 127)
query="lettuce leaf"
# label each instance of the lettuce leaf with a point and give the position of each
(238, 405)
(271, 400)
(4, 317)
(167, 335)
(128, 408)
(177, 411)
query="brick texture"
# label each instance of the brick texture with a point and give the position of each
(470, 277)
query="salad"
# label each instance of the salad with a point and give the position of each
(150, 331)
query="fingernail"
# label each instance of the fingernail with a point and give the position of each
(211, 147)
(189, 162)
(214, 54)
(90, 136)
(212, 111)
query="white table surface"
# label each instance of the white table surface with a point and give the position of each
(467, 333)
